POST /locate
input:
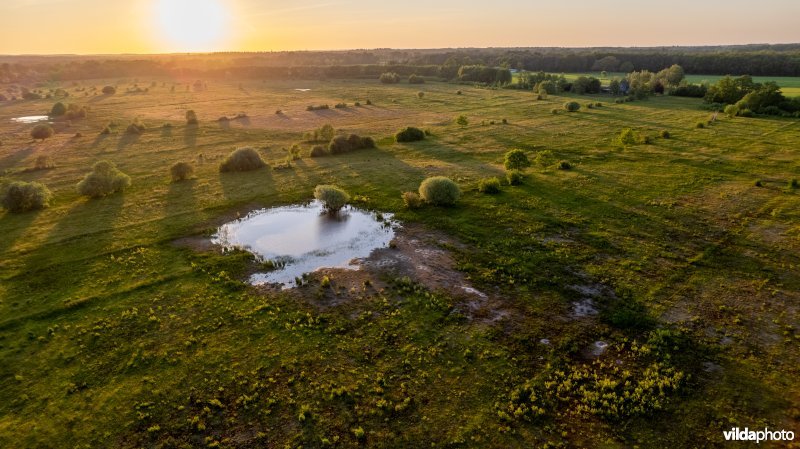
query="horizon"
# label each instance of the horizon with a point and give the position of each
(149, 27)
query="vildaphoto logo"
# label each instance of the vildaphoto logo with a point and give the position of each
(737, 434)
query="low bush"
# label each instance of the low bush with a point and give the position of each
(731, 110)
(439, 191)
(318, 151)
(109, 90)
(242, 159)
(700, 125)
(514, 177)
(793, 184)
(462, 120)
(627, 137)
(759, 183)
(19, 196)
(42, 131)
(489, 185)
(572, 106)
(321, 107)
(412, 200)
(665, 134)
(340, 105)
(516, 159)
(43, 162)
(415, 79)
(389, 78)
(191, 117)
(420, 94)
(104, 179)
(410, 134)
(181, 171)
(332, 197)
(745, 113)
(564, 165)
(554, 111)
(135, 128)
(352, 142)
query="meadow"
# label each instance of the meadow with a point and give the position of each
(120, 326)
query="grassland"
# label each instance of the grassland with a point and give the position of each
(114, 333)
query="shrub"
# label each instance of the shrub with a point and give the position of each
(21, 196)
(181, 171)
(420, 94)
(516, 159)
(58, 110)
(665, 134)
(410, 134)
(700, 125)
(109, 90)
(462, 120)
(104, 179)
(514, 177)
(389, 78)
(627, 137)
(572, 106)
(242, 159)
(369, 102)
(321, 107)
(342, 144)
(731, 110)
(439, 191)
(135, 128)
(459, 93)
(745, 113)
(42, 131)
(191, 117)
(326, 132)
(318, 151)
(564, 165)
(332, 197)
(489, 185)
(589, 105)
(758, 183)
(340, 105)
(412, 200)
(43, 162)
(106, 131)
(415, 79)
(793, 184)
(554, 111)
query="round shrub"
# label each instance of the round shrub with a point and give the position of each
(459, 93)
(462, 120)
(514, 177)
(745, 113)
(731, 110)
(415, 79)
(58, 110)
(135, 128)
(412, 200)
(665, 134)
(42, 131)
(572, 106)
(554, 111)
(339, 145)
(242, 159)
(181, 171)
(489, 185)
(627, 137)
(564, 165)
(410, 134)
(389, 78)
(104, 179)
(516, 159)
(332, 197)
(318, 151)
(439, 191)
(191, 117)
(22, 196)
(420, 94)
(700, 125)
(109, 90)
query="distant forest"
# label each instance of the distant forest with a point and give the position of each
(756, 60)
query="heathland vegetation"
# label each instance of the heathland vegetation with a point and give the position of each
(598, 277)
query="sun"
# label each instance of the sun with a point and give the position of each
(192, 25)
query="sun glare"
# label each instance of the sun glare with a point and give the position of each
(192, 25)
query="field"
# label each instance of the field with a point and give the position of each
(790, 86)
(120, 326)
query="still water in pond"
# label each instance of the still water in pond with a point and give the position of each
(305, 238)
(30, 119)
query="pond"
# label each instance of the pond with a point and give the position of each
(30, 119)
(301, 239)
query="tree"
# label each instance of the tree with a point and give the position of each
(606, 64)
(104, 179)
(191, 117)
(614, 87)
(626, 67)
(516, 159)
(333, 198)
(675, 75)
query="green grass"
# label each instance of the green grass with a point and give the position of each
(114, 335)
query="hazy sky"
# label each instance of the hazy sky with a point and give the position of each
(156, 26)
